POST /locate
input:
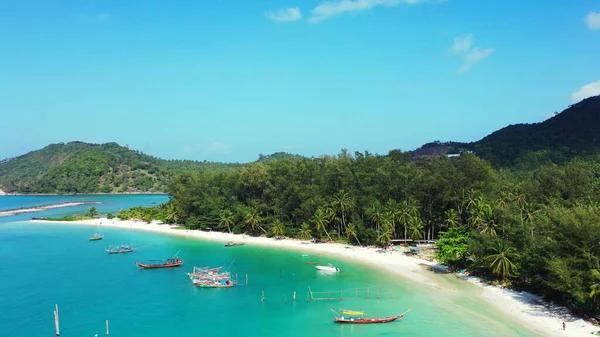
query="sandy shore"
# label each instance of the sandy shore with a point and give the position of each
(2, 192)
(43, 208)
(543, 319)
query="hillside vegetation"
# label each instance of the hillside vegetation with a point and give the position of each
(573, 133)
(78, 167)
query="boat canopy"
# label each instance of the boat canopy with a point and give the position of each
(353, 313)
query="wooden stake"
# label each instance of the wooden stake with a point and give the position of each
(56, 319)
(262, 298)
(107, 327)
(294, 297)
(246, 279)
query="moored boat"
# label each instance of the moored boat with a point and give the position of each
(119, 249)
(329, 268)
(211, 278)
(168, 263)
(357, 317)
(233, 244)
(96, 237)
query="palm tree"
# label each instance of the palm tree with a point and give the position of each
(452, 219)
(406, 209)
(501, 261)
(376, 215)
(351, 232)
(93, 212)
(385, 237)
(486, 223)
(277, 228)
(528, 214)
(320, 221)
(226, 219)
(253, 219)
(343, 203)
(304, 232)
(504, 199)
(171, 213)
(415, 227)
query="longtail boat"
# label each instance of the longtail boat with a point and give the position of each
(233, 244)
(210, 278)
(357, 317)
(168, 263)
(96, 237)
(119, 250)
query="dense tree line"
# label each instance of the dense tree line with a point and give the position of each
(536, 229)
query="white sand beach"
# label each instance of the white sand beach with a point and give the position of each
(543, 319)
(2, 192)
(42, 208)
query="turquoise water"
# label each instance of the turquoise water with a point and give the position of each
(47, 264)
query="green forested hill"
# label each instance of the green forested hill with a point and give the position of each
(575, 132)
(78, 167)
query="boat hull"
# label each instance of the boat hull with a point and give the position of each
(328, 269)
(119, 251)
(158, 266)
(365, 320)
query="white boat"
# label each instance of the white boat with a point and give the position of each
(328, 267)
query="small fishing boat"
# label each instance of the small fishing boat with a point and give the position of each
(96, 237)
(233, 244)
(357, 317)
(119, 249)
(155, 264)
(329, 267)
(213, 284)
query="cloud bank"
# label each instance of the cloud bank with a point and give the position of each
(285, 15)
(588, 90)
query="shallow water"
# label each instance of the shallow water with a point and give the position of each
(53, 263)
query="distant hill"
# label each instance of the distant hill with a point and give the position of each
(276, 156)
(78, 167)
(575, 132)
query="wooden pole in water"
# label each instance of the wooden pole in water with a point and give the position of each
(294, 298)
(56, 325)
(246, 279)
(107, 327)
(262, 298)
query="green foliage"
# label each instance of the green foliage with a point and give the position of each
(68, 218)
(92, 212)
(79, 167)
(453, 246)
(110, 216)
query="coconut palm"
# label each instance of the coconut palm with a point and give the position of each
(343, 204)
(351, 233)
(486, 223)
(304, 232)
(93, 212)
(226, 219)
(376, 215)
(451, 218)
(385, 237)
(277, 228)
(501, 260)
(253, 219)
(171, 213)
(320, 221)
(415, 228)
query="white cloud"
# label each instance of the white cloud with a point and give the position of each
(285, 15)
(588, 90)
(333, 8)
(218, 148)
(593, 20)
(470, 55)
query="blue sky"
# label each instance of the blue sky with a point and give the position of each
(226, 80)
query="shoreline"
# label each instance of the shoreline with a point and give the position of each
(7, 194)
(526, 308)
(41, 208)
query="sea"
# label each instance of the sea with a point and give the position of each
(42, 265)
